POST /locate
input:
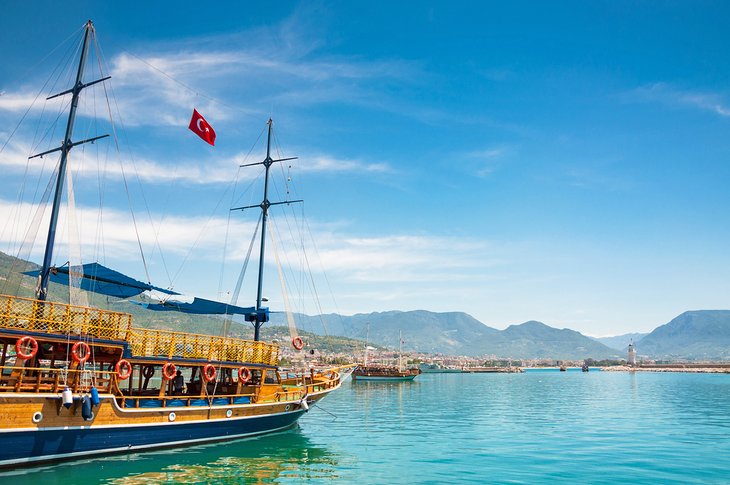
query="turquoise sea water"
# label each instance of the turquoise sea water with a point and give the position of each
(536, 427)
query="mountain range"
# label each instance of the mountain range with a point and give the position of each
(700, 334)
(457, 333)
(693, 335)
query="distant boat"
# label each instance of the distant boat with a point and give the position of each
(563, 368)
(437, 369)
(584, 368)
(383, 373)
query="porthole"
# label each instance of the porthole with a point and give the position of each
(171, 416)
(287, 408)
(37, 417)
(229, 413)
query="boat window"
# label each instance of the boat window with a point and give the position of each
(271, 377)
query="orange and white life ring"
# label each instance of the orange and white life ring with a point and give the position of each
(75, 352)
(297, 343)
(209, 372)
(123, 369)
(26, 343)
(244, 374)
(169, 371)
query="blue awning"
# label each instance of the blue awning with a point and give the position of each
(200, 306)
(100, 279)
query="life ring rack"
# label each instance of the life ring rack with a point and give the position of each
(209, 372)
(75, 352)
(24, 343)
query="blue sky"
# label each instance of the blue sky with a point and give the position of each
(564, 162)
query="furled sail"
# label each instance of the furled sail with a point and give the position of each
(100, 279)
(200, 306)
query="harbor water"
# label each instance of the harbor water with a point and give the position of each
(536, 427)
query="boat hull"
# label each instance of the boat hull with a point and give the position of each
(34, 445)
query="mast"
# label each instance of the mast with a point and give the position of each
(261, 314)
(400, 350)
(65, 148)
(265, 204)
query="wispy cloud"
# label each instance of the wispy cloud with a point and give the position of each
(219, 170)
(487, 160)
(324, 163)
(667, 94)
(370, 263)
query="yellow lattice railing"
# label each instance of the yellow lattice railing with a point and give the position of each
(52, 317)
(162, 343)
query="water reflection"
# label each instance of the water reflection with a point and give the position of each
(283, 457)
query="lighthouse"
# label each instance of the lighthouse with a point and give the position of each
(632, 354)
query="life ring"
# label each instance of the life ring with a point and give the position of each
(22, 344)
(209, 372)
(244, 375)
(169, 371)
(297, 343)
(124, 369)
(148, 371)
(75, 352)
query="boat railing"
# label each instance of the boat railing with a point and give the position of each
(54, 379)
(165, 343)
(136, 402)
(312, 382)
(60, 318)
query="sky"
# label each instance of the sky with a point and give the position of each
(565, 162)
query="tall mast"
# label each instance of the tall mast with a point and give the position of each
(262, 314)
(65, 148)
(265, 204)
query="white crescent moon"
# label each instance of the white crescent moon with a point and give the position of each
(200, 128)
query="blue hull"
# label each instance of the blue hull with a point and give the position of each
(30, 446)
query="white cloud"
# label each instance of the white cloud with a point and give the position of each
(668, 94)
(324, 163)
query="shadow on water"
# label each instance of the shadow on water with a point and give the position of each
(283, 457)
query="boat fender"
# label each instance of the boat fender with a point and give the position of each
(169, 371)
(80, 359)
(244, 375)
(209, 372)
(86, 411)
(297, 343)
(123, 369)
(26, 347)
(303, 404)
(67, 398)
(95, 396)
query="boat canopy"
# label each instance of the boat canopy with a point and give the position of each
(201, 306)
(100, 279)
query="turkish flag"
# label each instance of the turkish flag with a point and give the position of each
(200, 127)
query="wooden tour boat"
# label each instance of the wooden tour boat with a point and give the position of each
(77, 381)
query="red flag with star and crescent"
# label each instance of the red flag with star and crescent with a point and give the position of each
(202, 128)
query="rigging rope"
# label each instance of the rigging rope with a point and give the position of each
(239, 283)
(289, 315)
